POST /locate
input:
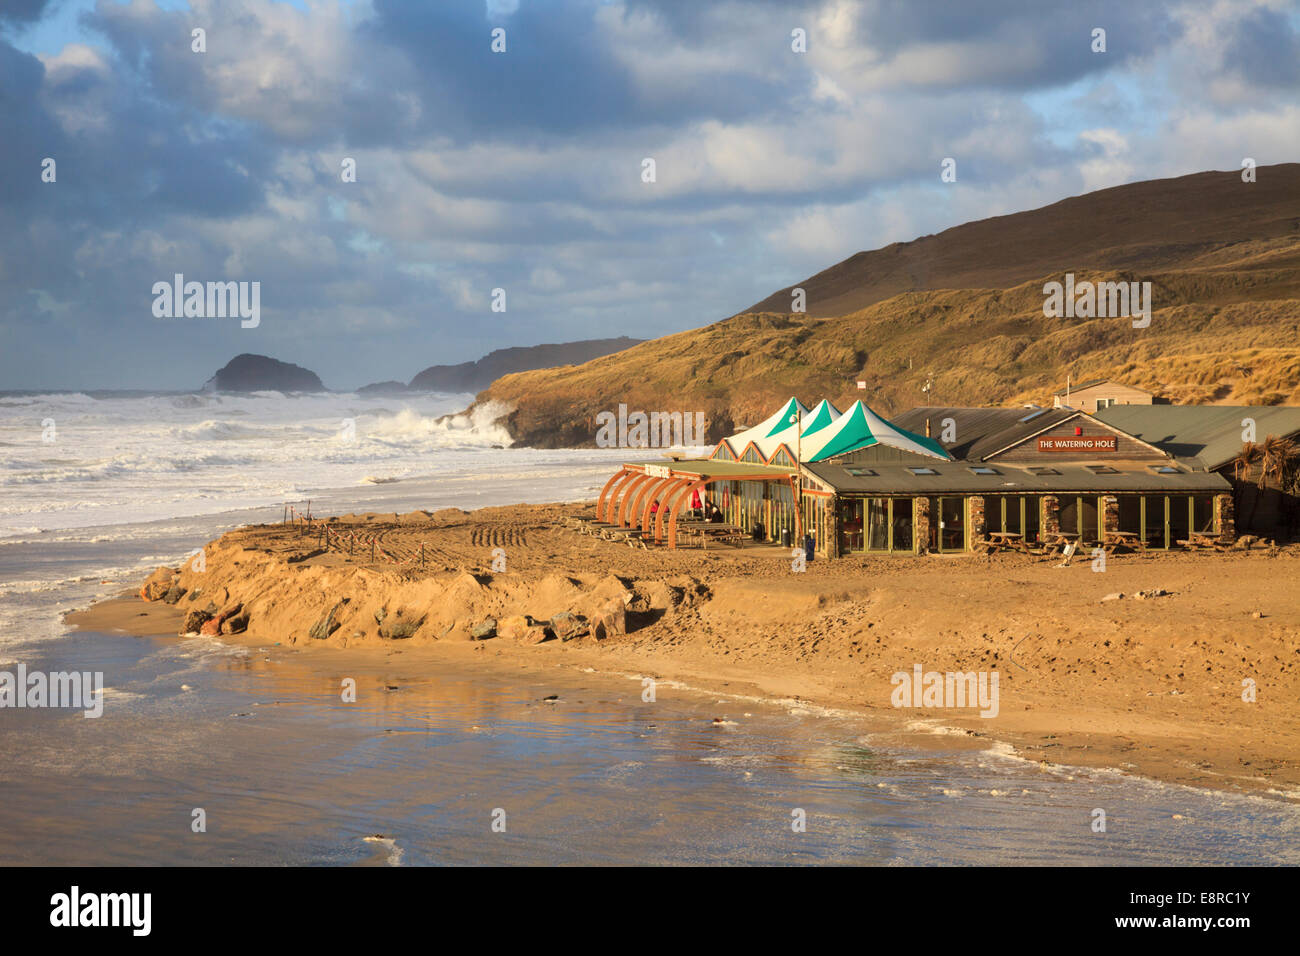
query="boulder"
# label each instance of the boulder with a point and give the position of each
(400, 626)
(194, 621)
(157, 584)
(522, 629)
(174, 594)
(484, 630)
(238, 624)
(566, 625)
(326, 626)
(212, 627)
(533, 634)
(611, 619)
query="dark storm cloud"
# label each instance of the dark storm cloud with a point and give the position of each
(522, 170)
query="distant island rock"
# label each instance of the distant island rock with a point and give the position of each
(260, 373)
(475, 376)
(384, 388)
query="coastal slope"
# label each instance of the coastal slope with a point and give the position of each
(962, 313)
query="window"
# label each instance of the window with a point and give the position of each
(1041, 470)
(918, 470)
(861, 472)
(1165, 470)
(1101, 469)
(983, 470)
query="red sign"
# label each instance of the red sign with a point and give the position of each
(1094, 443)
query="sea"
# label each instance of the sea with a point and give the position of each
(210, 754)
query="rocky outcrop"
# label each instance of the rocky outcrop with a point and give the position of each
(473, 376)
(260, 373)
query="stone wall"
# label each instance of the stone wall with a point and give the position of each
(1050, 520)
(920, 525)
(1225, 518)
(1110, 513)
(977, 524)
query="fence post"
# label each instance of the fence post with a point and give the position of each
(372, 550)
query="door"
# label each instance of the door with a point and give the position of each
(877, 524)
(952, 524)
(850, 525)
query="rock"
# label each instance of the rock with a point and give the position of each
(400, 626)
(380, 615)
(239, 623)
(1257, 614)
(611, 619)
(194, 621)
(174, 594)
(212, 627)
(1152, 593)
(157, 584)
(194, 595)
(1114, 596)
(533, 634)
(483, 631)
(1245, 542)
(326, 625)
(512, 627)
(566, 625)
(522, 628)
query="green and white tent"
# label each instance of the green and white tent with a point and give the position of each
(820, 417)
(766, 428)
(822, 432)
(860, 427)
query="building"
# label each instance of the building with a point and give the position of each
(1099, 393)
(1211, 438)
(934, 479)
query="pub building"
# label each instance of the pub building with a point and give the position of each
(933, 479)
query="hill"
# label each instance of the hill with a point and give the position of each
(260, 373)
(964, 310)
(472, 376)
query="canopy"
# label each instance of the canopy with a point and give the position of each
(860, 427)
(822, 432)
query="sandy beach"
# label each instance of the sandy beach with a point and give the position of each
(1148, 685)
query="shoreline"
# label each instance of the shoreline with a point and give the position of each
(1100, 697)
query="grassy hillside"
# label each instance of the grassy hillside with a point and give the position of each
(1223, 258)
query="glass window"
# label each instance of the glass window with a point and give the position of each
(1154, 522)
(1088, 514)
(1203, 514)
(1130, 513)
(1180, 519)
(993, 513)
(877, 524)
(902, 524)
(1069, 514)
(1013, 505)
(1033, 508)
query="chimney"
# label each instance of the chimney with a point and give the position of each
(927, 428)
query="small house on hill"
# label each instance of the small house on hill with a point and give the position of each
(1099, 393)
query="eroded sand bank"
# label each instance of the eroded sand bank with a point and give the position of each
(1150, 686)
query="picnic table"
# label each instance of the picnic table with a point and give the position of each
(706, 531)
(1210, 540)
(1130, 539)
(1006, 541)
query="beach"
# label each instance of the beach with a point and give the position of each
(1149, 684)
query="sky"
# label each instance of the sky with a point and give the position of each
(524, 170)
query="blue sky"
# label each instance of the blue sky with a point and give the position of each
(522, 170)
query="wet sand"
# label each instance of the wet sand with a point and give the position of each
(1148, 687)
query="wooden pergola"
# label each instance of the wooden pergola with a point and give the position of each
(627, 498)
